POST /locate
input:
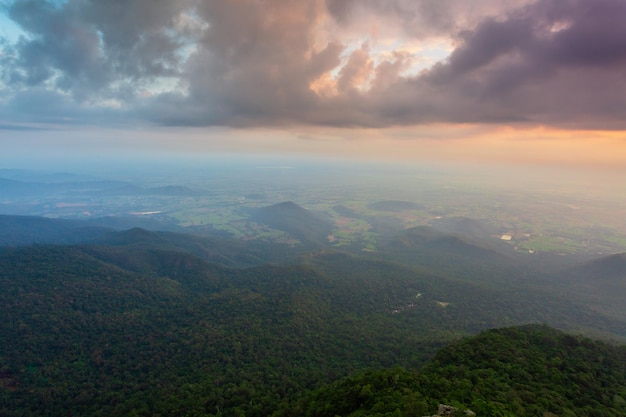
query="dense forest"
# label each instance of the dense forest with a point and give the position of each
(516, 371)
(142, 323)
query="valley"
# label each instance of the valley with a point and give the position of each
(360, 205)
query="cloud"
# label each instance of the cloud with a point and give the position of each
(316, 62)
(93, 50)
(422, 18)
(554, 62)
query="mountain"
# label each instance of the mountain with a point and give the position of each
(610, 270)
(163, 332)
(532, 370)
(10, 188)
(520, 371)
(430, 238)
(42, 176)
(308, 228)
(137, 244)
(485, 260)
(138, 323)
(28, 230)
(19, 184)
(601, 283)
(59, 186)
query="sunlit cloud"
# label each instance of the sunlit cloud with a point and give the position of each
(490, 80)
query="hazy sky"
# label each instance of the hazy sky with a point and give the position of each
(484, 80)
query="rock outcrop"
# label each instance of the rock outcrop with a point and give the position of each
(449, 411)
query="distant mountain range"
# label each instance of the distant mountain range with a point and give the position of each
(67, 184)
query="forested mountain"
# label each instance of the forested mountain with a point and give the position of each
(429, 239)
(609, 271)
(135, 244)
(308, 228)
(140, 323)
(532, 371)
(27, 230)
(487, 261)
(601, 283)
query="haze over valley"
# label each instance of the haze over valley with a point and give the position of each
(360, 203)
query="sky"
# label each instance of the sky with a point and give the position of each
(483, 81)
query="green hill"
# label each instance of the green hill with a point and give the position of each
(530, 371)
(300, 223)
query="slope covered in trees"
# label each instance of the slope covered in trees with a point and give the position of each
(308, 228)
(518, 371)
(132, 328)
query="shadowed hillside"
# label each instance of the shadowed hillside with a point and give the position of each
(298, 222)
(479, 260)
(610, 271)
(28, 230)
(601, 283)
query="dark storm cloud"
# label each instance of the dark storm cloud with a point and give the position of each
(249, 63)
(551, 62)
